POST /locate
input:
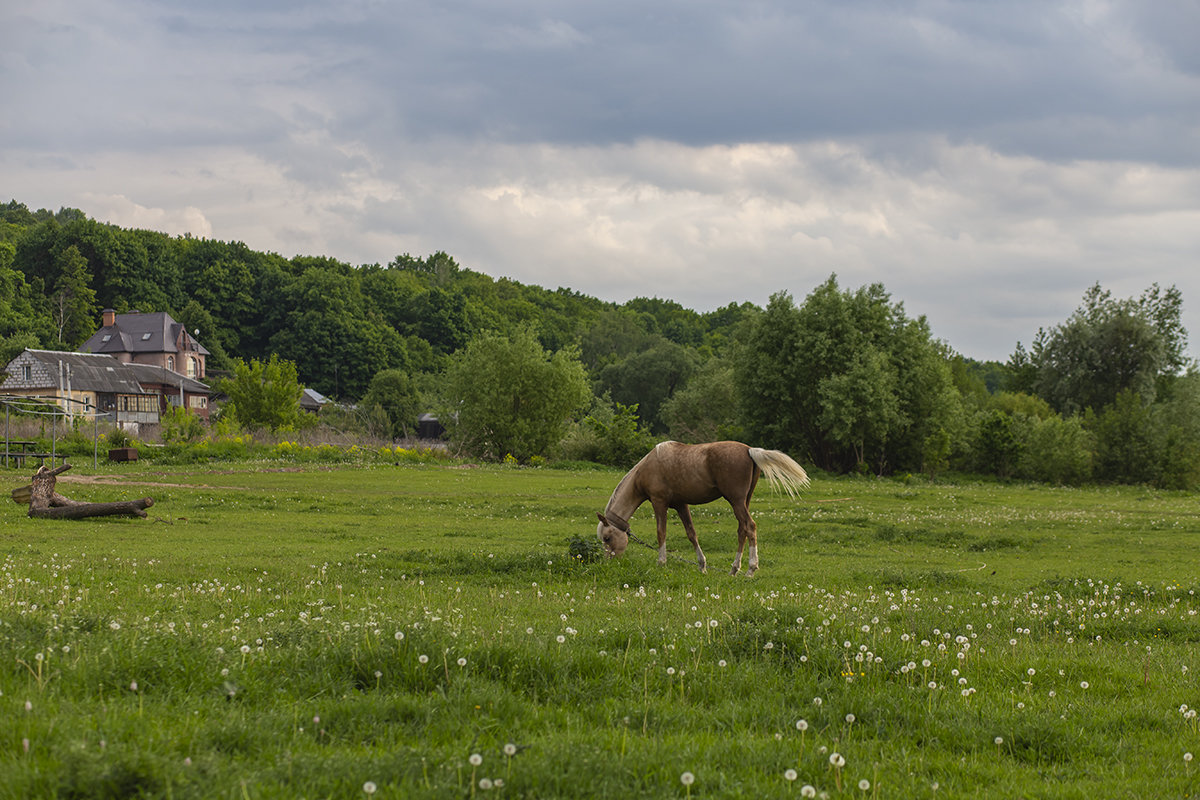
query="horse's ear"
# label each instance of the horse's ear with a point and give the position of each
(601, 517)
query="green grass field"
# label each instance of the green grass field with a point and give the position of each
(357, 632)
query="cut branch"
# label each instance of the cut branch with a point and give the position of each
(45, 503)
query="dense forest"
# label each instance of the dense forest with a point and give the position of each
(844, 380)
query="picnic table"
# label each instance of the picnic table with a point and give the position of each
(16, 451)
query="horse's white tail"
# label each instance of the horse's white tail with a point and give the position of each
(781, 471)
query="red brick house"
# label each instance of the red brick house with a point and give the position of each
(152, 338)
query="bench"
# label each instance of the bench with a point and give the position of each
(19, 458)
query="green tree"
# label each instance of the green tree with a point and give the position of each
(393, 391)
(263, 394)
(336, 346)
(998, 447)
(845, 378)
(507, 395)
(1178, 416)
(74, 301)
(1054, 449)
(1109, 346)
(21, 326)
(647, 379)
(706, 409)
(442, 319)
(860, 407)
(1127, 447)
(613, 336)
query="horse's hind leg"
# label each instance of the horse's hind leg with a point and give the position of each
(747, 530)
(685, 516)
(747, 534)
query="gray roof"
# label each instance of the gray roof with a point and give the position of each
(92, 372)
(153, 332)
(149, 373)
(311, 398)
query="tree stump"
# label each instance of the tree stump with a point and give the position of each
(46, 503)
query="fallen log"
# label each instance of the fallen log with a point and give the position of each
(46, 503)
(126, 508)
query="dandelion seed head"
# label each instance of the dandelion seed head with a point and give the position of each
(475, 759)
(687, 779)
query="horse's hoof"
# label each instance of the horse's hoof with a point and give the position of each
(733, 571)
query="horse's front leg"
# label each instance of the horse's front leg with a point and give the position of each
(685, 516)
(660, 521)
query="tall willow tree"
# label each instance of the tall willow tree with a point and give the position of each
(1107, 347)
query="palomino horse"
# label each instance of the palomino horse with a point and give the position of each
(674, 475)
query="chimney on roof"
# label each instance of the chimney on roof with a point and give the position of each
(108, 318)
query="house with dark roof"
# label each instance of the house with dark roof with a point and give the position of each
(89, 383)
(151, 338)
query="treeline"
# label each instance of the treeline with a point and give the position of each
(845, 379)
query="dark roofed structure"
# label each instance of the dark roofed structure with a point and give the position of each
(98, 382)
(153, 338)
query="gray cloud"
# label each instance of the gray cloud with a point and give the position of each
(985, 161)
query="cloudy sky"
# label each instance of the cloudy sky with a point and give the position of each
(985, 161)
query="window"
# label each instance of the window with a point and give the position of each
(198, 401)
(26, 372)
(107, 336)
(137, 402)
(193, 366)
(146, 337)
(171, 363)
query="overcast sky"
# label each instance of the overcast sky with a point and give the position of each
(985, 161)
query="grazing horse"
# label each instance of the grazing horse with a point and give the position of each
(675, 475)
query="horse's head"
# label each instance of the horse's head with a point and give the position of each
(615, 539)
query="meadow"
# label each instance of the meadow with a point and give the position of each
(422, 630)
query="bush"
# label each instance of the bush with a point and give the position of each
(610, 435)
(1054, 450)
(179, 425)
